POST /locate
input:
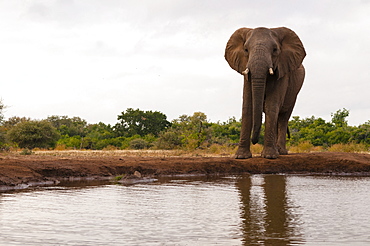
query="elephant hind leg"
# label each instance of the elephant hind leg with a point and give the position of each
(282, 132)
(282, 150)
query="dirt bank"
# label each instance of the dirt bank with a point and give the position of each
(18, 169)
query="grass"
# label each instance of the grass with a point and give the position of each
(214, 150)
(26, 152)
(119, 177)
(303, 147)
(307, 147)
(349, 148)
(110, 153)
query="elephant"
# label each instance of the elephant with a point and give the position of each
(270, 60)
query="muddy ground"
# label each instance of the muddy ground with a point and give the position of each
(16, 169)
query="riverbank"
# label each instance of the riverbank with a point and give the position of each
(50, 167)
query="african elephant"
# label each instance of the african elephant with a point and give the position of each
(271, 62)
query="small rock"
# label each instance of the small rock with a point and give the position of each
(137, 174)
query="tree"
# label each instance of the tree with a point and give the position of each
(138, 143)
(12, 121)
(2, 107)
(7, 125)
(225, 132)
(314, 130)
(321, 133)
(34, 133)
(2, 128)
(194, 130)
(339, 118)
(74, 126)
(73, 142)
(103, 136)
(339, 135)
(100, 131)
(168, 140)
(361, 134)
(137, 122)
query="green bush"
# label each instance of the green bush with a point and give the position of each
(70, 142)
(34, 133)
(138, 129)
(138, 143)
(168, 140)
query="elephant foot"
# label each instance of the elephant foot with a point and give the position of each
(270, 153)
(283, 151)
(243, 153)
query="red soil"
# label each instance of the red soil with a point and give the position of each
(17, 169)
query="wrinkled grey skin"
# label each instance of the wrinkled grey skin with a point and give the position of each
(271, 62)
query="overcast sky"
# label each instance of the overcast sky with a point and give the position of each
(94, 58)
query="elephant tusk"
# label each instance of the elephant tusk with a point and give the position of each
(271, 71)
(246, 71)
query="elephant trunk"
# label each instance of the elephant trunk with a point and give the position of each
(258, 96)
(258, 68)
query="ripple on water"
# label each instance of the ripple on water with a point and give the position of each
(256, 209)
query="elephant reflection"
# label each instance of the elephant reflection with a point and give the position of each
(268, 222)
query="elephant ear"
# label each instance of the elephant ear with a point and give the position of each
(292, 51)
(234, 52)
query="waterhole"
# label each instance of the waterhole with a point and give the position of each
(246, 210)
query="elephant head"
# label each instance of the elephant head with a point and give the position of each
(259, 54)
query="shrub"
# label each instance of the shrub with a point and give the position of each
(256, 148)
(110, 147)
(108, 143)
(302, 147)
(70, 142)
(138, 143)
(350, 147)
(223, 150)
(60, 147)
(26, 152)
(33, 133)
(215, 148)
(168, 140)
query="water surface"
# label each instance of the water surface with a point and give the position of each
(248, 210)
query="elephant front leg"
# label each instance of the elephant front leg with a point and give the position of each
(244, 151)
(270, 150)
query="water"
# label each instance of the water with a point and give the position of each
(249, 210)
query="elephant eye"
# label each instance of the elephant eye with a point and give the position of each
(246, 50)
(274, 50)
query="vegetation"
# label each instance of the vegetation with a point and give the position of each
(320, 133)
(137, 122)
(2, 130)
(33, 133)
(137, 130)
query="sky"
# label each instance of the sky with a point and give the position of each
(94, 59)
